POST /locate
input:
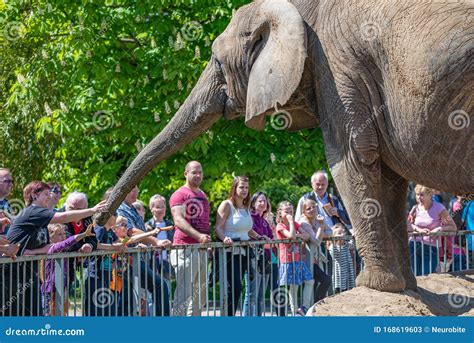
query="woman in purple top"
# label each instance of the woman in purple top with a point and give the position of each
(254, 304)
(57, 236)
(426, 218)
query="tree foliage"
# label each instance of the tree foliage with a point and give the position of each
(86, 84)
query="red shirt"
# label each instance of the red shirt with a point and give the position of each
(78, 228)
(197, 213)
(288, 250)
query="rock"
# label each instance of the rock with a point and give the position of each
(437, 295)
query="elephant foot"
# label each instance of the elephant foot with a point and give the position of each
(381, 279)
(410, 280)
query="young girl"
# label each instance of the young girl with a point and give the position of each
(313, 223)
(293, 272)
(343, 276)
(57, 236)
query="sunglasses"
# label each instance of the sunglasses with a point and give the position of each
(55, 190)
(10, 182)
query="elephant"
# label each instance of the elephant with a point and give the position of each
(390, 84)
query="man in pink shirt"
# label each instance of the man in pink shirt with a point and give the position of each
(190, 209)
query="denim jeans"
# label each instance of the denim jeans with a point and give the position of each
(235, 269)
(321, 284)
(459, 263)
(254, 301)
(423, 258)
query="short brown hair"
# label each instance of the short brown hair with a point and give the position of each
(31, 189)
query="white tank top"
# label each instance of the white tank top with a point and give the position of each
(238, 224)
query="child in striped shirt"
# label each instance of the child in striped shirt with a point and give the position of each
(343, 276)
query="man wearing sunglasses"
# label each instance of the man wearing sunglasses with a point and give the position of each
(6, 185)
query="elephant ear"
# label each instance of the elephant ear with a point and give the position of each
(278, 69)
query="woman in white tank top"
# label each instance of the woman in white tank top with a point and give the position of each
(234, 223)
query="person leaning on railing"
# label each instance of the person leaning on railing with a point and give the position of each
(254, 301)
(293, 271)
(29, 230)
(190, 209)
(234, 223)
(313, 224)
(59, 243)
(426, 218)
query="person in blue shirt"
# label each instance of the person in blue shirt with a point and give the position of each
(468, 221)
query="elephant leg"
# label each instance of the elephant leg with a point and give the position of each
(361, 188)
(394, 189)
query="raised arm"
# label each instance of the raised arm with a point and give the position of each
(76, 215)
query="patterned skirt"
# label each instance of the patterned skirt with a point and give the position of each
(294, 273)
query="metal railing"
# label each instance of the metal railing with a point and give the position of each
(213, 279)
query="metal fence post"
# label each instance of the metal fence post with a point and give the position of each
(59, 296)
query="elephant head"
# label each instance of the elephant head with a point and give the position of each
(259, 66)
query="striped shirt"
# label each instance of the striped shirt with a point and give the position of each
(343, 275)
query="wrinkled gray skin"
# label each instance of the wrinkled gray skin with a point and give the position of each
(381, 78)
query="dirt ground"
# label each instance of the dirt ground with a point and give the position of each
(437, 295)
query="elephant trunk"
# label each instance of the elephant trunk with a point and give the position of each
(203, 107)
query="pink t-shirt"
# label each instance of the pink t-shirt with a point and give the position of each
(197, 213)
(288, 250)
(429, 220)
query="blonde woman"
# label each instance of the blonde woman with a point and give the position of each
(427, 217)
(314, 227)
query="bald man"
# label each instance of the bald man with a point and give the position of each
(190, 209)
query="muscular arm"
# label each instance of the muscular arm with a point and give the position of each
(180, 221)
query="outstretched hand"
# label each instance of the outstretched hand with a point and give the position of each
(100, 207)
(89, 231)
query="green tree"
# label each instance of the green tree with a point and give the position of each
(85, 86)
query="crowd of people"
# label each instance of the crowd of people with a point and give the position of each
(317, 258)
